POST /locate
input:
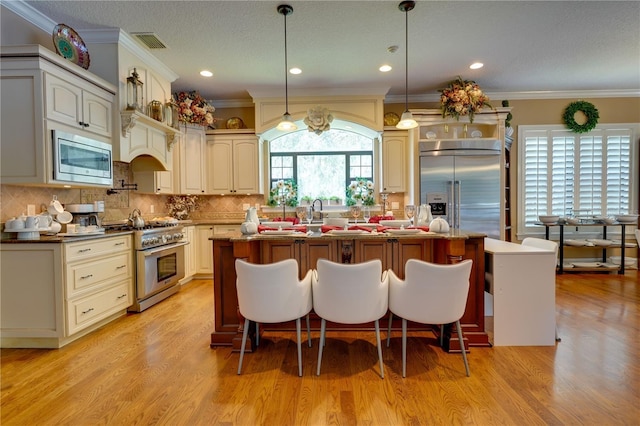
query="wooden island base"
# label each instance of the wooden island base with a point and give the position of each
(392, 251)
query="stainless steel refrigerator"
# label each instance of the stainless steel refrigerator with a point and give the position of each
(460, 179)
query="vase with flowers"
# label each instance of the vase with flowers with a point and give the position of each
(194, 109)
(360, 191)
(461, 98)
(180, 206)
(283, 193)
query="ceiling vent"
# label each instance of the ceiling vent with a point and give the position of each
(150, 40)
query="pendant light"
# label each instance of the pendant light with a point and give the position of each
(406, 121)
(286, 124)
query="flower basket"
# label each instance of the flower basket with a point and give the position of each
(461, 98)
(194, 109)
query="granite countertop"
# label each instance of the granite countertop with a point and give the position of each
(452, 235)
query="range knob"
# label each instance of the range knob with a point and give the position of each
(178, 236)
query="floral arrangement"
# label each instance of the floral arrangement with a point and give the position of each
(462, 97)
(194, 109)
(360, 190)
(284, 192)
(180, 206)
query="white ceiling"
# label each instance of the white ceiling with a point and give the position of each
(547, 47)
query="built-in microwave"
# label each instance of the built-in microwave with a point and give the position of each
(81, 160)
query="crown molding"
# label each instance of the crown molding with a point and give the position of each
(31, 15)
(95, 36)
(526, 95)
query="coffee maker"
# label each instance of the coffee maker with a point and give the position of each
(86, 214)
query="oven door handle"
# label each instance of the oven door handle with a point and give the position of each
(153, 251)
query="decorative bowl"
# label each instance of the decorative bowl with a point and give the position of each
(627, 218)
(548, 219)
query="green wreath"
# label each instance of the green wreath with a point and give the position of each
(588, 110)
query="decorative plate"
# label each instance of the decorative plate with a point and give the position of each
(70, 46)
(235, 123)
(391, 119)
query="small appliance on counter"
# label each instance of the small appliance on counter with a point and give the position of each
(86, 214)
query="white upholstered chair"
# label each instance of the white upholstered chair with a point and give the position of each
(272, 293)
(429, 294)
(350, 294)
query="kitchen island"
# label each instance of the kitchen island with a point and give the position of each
(392, 250)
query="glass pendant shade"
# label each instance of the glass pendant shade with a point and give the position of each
(407, 121)
(287, 124)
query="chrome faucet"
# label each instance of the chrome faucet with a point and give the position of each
(313, 207)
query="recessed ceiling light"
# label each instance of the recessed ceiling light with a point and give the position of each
(206, 73)
(476, 65)
(385, 68)
(295, 70)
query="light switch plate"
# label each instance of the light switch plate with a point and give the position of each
(152, 208)
(395, 205)
(31, 209)
(246, 206)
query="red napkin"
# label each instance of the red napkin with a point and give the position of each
(377, 219)
(297, 228)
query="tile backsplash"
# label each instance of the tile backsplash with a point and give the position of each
(15, 198)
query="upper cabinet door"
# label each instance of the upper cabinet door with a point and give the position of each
(394, 160)
(64, 101)
(96, 114)
(245, 166)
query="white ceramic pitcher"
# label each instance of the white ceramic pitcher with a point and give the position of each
(424, 215)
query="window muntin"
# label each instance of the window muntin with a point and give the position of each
(561, 172)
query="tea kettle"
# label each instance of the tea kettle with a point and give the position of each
(135, 219)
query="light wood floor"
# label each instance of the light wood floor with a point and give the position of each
(157, 368)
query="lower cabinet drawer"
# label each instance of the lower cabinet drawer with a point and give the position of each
(88, 310)
(82, 275)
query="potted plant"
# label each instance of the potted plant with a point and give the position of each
(335, 200)
(306, 200)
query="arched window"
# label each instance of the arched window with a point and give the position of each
(321, 165)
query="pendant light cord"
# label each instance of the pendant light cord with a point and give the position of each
(406, 60)
(286, 77)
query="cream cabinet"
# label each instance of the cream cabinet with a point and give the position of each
(80, 108)
(43, 92)
(189, 253)
(394, 161)
(54, 293)
(234, 163)
(204, 251)
(192, 161)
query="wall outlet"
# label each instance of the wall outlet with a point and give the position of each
(395, 205)
(257, 206)
(31, 209)
(152, 208)
(246, 206)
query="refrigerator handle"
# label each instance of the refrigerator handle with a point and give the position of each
(457, 187)
(451, 204)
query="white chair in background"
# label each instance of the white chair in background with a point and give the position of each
(272, 293)
(350, 294)
(430, 294)
(545, 245)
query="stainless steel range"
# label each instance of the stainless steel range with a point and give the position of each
(159, 264)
